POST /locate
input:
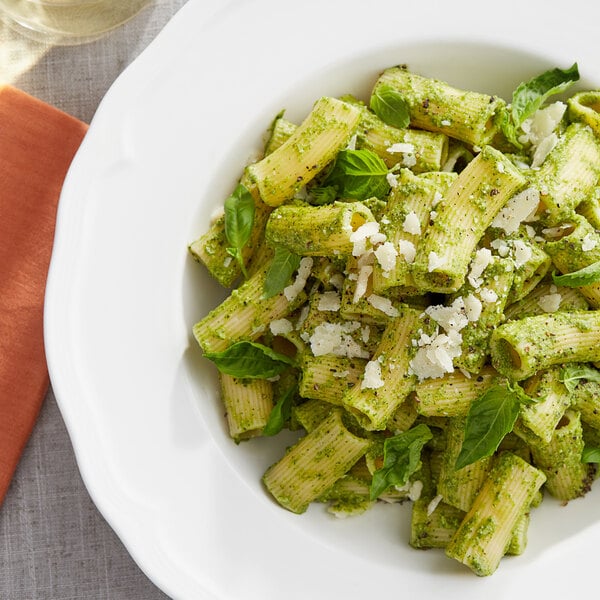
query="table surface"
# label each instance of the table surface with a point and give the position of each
(54, 544)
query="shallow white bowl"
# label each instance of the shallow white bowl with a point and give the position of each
(165, 148)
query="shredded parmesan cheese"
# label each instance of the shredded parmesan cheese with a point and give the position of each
(372, 376)
(412, 224)
(435, 262)
(281, 326)
(550, 302)
(291, 291)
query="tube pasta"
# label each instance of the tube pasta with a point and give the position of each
(317, 230)
(374, 403)
(485, 532)
(248, 403)
(520, 348)
(459, 487)
(244, 314)
(436, 106)
(211, 248)
(314, 463)
(542, 417)
(398, 311)
(451, 395)
(546, 297)
(560, 459)
(569, 174)
(577, 247)
(407, 214)
(498, 280)
(466, 211)
(329, 377)
(325, 131)
(586, 400)
(585, 107)
(423, 150)
(531, 267)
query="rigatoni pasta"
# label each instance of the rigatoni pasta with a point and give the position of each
(415, 295)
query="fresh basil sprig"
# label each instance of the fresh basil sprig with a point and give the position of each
(490, 418)
(280, 271)
(590, 454)
(530, 95)
(322, 195)
(359, 174)
(585, 276)
(281, 412)
(572, 374)
(250, 360)
(401, 458)
(390, 106)
(239, 219)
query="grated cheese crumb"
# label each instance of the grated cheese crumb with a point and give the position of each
(401, 148)
(588, 243)
(386, 255)
(434, 504)
(340, 374)
(435, 261)
(522, 253)
(415, 490)
(408, 250)
(550, 302)
(501, 246)
(372, 377)
(365, 334)
(383, 304)
(362, 282)
(483, 258)
(281, 326)
(335, 338)
(435, 353)
(488, 295)
(473, 307)
(412, 224)
(329, 301)
(392, 180)
(291, 291)
(521, 207)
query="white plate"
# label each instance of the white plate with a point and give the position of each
(164, 149)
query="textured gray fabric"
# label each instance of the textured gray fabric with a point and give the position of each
(54, 544)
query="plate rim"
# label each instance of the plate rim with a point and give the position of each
(151, 60)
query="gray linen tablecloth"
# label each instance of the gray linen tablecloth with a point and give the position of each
(54, 544)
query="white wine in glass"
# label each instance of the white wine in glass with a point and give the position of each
(68, 22)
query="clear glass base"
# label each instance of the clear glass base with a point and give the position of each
(67, 22)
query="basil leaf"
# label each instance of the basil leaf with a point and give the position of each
(590, 455)
(280, 414)
(509, 129)
(490, 418)
(323, 195)
(250, 360)
(521, 395)
(239, 219)
(585, 276)
(571, 375)
(401, 458)
(280, 271)
(530, 95)
(359, 174)
(391, 107)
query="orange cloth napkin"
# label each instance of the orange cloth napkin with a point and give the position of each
(37, 144)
